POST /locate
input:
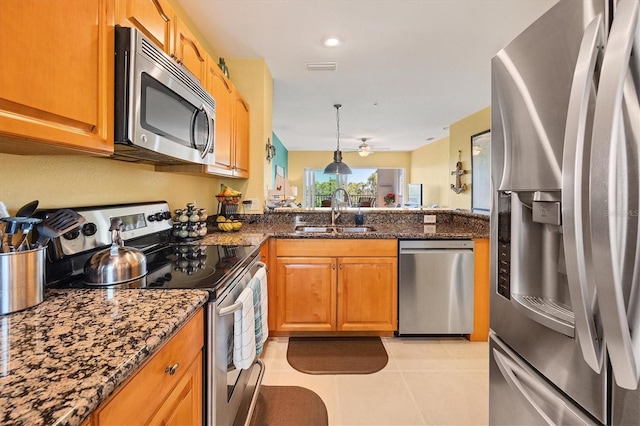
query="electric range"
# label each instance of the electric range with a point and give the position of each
(223, 271)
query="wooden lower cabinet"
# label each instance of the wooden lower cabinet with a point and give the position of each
(167, 389)
(356, 291)
(367, 294)
(306, 293)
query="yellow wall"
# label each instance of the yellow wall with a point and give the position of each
(299, 160)
(73, 181)
(430, 167)
(460, 134)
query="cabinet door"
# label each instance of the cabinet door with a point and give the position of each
(183, 406)
(154, 18)
(241, 137)
(367, 294)
(56, 77)
(143, 396)
(222, 91)
(189, 52)
(306, 294)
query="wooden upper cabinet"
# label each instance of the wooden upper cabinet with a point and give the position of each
(222, 91)
(154, 18)
(189, 52)
(56, 77)
(241, 137)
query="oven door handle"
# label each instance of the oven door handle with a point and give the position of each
(230, 309)
(238, 305)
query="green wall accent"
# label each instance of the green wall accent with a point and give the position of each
(281, 159)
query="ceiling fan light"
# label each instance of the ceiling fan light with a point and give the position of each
(363, 152)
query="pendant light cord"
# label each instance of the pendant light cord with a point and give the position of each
(337, 107)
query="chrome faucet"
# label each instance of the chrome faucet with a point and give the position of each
(335, 204)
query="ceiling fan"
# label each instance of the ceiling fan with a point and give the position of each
(365, 149)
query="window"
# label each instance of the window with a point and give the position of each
(362, 185)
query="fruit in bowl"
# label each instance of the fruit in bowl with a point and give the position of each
(230, 225)
(228, 195)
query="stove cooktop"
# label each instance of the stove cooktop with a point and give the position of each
(180, 266)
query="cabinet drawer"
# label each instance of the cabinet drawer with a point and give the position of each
(139, 398)
(337, 247)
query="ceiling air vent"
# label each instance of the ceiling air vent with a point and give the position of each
(322, 66)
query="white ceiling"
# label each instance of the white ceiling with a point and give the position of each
(407, 68)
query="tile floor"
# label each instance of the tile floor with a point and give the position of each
(428, 381)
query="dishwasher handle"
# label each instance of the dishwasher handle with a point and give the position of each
(435, 251)
(435, 244)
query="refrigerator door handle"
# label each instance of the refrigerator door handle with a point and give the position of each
(521, 381)
(575, 212)
(608, 225)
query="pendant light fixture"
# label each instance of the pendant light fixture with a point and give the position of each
(337, 167)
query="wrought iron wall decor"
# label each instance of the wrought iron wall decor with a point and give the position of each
(458, 172)
(271, 150)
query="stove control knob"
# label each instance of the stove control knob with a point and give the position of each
(72, 235)
(89, 229)
(151, 217)
(166, 215)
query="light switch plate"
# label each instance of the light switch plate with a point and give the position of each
(254, 205)
(429, 218)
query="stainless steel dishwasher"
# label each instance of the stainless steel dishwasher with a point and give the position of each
(435, 287)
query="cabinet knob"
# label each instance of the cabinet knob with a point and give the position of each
(171, 369)
(341, 266)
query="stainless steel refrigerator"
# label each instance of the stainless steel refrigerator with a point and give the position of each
(565, 299)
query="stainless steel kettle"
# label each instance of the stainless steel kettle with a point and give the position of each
(117, 264)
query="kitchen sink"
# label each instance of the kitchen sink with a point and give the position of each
(333, 229)
(359, 229)
(313, 228)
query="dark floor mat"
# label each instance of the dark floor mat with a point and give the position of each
(337, 355)
(289, 406)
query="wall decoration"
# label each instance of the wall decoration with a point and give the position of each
(271, 150)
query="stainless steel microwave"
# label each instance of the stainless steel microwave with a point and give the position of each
(162, 114)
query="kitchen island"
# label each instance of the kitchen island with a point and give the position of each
(62, 358)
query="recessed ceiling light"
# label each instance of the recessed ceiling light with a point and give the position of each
(332, 41)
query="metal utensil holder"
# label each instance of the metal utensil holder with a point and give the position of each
(22, 278)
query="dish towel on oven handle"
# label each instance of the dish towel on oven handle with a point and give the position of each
(260, 304)
(261, 275)
(244, 336)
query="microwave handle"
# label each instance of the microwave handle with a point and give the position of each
(212, 129)
(203, 108)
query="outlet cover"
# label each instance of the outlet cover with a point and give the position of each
(429, 218)
(254, 206)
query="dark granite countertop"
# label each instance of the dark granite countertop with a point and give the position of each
(391, 223)
(62, 358)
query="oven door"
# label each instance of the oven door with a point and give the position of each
(226, 384)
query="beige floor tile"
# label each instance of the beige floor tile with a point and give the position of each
(421, 354)
(451, 397)
(433, 381)
(376, 399)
